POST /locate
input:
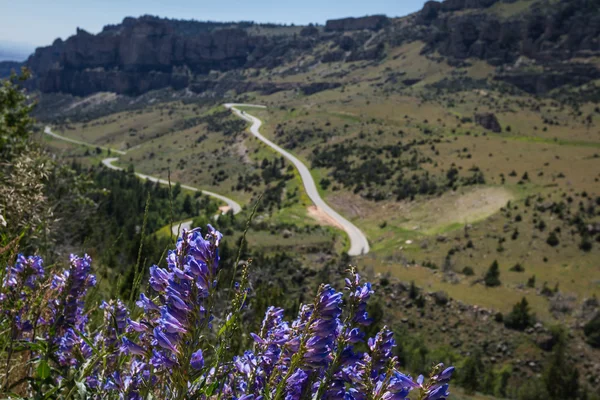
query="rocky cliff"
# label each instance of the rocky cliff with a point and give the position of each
(373, 22)
(147, 53)
(549, 34)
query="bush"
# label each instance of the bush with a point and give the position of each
(468, 271)
(517, 268)
(553, 239)
(586, 243)
(592, 331)
(492, 276)
(519, 318)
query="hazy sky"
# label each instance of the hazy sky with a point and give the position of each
(39, 22)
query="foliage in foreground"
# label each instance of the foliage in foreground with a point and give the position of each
(170, 345)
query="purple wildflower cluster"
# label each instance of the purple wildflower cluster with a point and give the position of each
(67, 313)
(167, 347)
(18, 284)
(314, 356)
(170, 332)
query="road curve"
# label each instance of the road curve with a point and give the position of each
(358, 241)
(230, 203)
(108, 162)
(48, 131)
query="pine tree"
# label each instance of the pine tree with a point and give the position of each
(492, 276)
(470, 373)
(187, 205)
(560, 377)
(531, 282)
(519, 318)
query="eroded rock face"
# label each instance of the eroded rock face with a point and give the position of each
(147, 53)
(372, 22)
(567, 29)
(488, 121)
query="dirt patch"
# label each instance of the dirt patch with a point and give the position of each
(94, 100)
(467, 205)
(458, 207)
(320, 216)
(224, 209)
(351, 205)
(242, 151)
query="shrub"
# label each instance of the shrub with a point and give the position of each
(553, 239)
(517, 268)
(586, 243)
(592, 331)
(468, 271)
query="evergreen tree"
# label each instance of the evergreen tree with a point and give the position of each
(187, 205)
(519, 318)
(470, 373)
(492, 276)
(560, 377)
(413, 292)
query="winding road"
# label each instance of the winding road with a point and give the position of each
(358, 241)
(108, 162)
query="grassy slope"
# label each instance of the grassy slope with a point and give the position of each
(370, 110)
(546, 152)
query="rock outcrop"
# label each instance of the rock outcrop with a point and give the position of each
(568, 29)
(372, 22)
(146, 53)
(488, 121)
(550, 36)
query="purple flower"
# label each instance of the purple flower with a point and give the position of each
(164, 341)
(295, 385)
(197, 360)
(438, 392)
(444, 376)
(146, 303)
(128, 347)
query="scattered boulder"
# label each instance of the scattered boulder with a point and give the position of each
(545, 341)
(441, 298)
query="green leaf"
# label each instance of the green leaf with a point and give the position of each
(226, 326)
(43, 370)
(210, 389)
(51, 392)
(81, 389)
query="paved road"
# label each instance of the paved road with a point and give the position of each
(109, 163)
(358, 241)
(230, 203)
(48, 131)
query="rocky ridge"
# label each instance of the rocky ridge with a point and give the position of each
(148, 53)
